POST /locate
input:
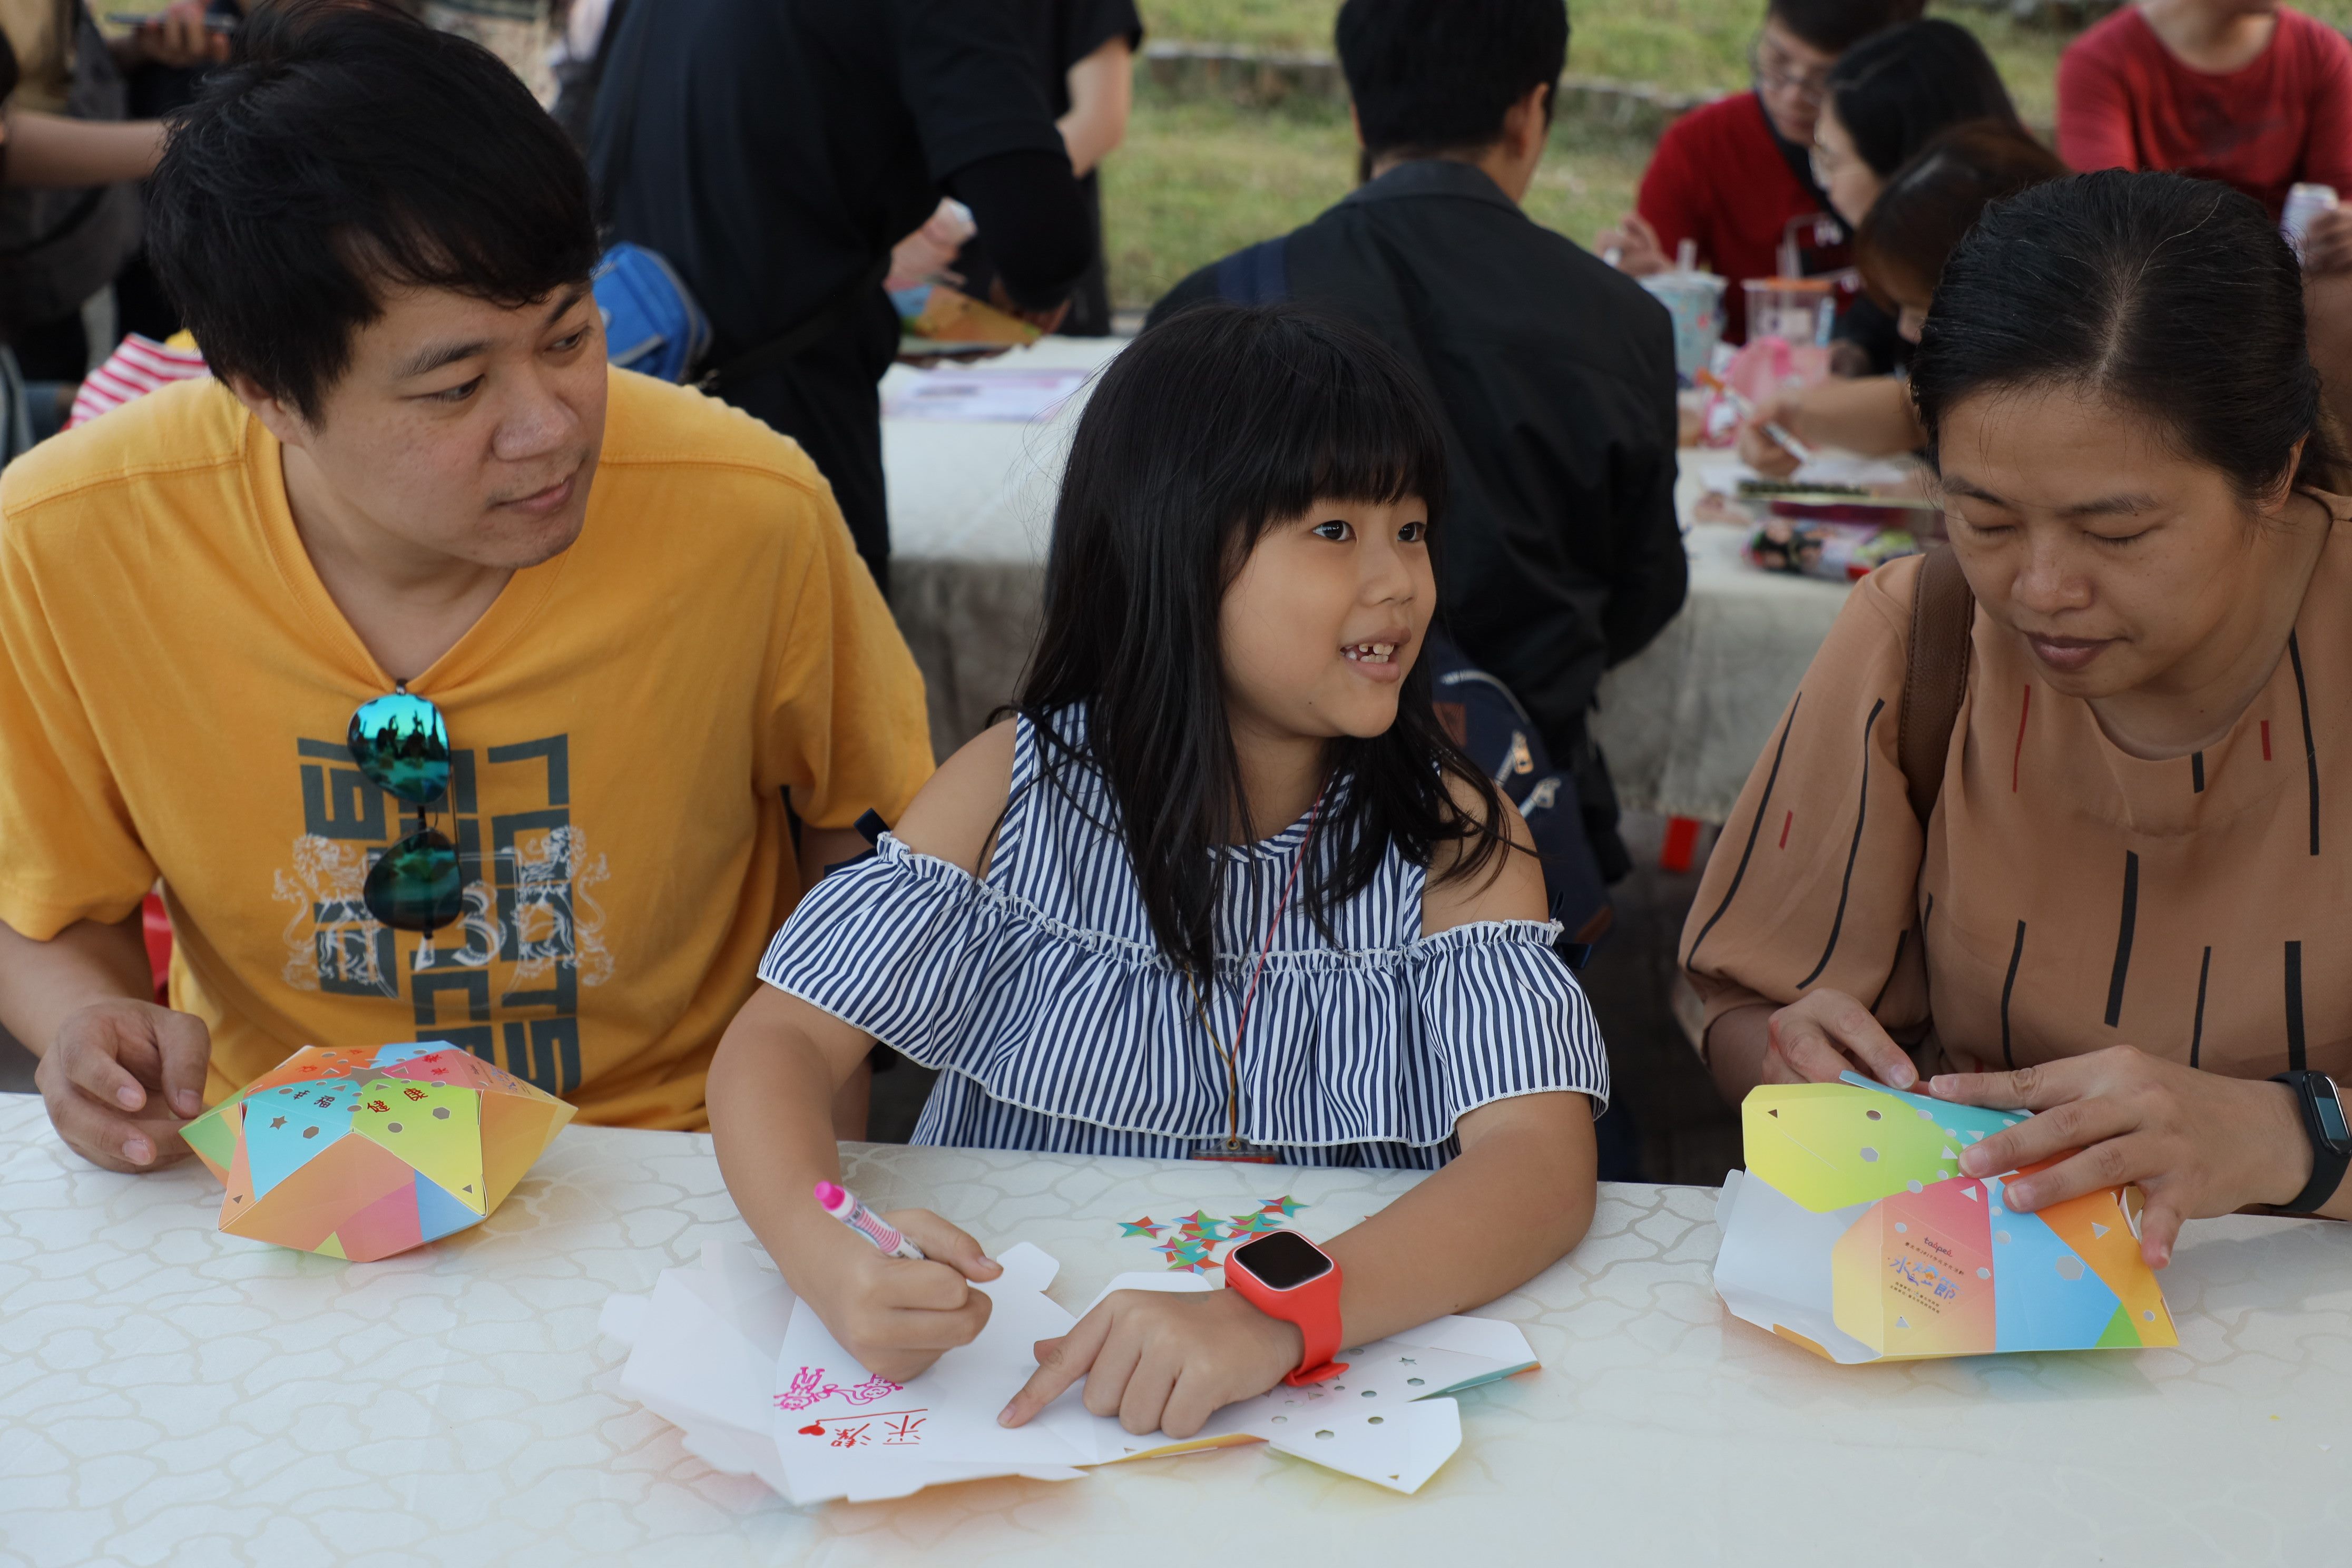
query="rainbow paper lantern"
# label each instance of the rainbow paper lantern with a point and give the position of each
(1853, 1233)
(364, 1153)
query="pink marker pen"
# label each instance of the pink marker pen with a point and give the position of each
(844, 1206)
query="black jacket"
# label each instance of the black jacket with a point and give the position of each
(1555, 374)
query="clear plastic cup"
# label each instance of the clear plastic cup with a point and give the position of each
(1800, 310)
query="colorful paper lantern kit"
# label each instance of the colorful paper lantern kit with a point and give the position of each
(1854, 1234)
(364, 1153)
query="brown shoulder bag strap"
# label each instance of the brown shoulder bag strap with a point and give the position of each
(1935, 677)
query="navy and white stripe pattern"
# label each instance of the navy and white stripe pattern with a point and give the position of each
(1060, 1027)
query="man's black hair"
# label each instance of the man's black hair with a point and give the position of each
(1834, 26)
(350, 149)
(1437, 76)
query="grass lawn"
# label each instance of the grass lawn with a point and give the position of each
(1197, 180)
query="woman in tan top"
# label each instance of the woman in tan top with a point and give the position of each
(2127, 907)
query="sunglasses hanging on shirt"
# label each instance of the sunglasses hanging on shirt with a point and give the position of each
(401, 746)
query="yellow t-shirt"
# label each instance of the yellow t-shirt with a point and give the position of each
(627, 720)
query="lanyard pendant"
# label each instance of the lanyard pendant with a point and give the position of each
(1237, 1152)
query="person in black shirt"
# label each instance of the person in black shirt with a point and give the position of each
(1087, 49)
(773, 150)
(1554, 372)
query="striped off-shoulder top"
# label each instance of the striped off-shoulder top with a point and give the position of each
(1058, 1025)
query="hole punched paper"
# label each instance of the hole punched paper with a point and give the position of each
(758, 1385)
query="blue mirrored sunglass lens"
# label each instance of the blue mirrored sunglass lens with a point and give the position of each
(418, 884)
(402, 745)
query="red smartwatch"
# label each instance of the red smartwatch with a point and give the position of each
(1286, 1275)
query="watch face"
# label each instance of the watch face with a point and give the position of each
(2331, 1112)
(1283, 1260)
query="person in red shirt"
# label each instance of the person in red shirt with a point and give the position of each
(1735, 177)
(2248, 93)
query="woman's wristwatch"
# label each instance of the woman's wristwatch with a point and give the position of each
(2331, 1138)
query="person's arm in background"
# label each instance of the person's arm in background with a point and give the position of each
(2094, 118)
(1102, 94)
(970, 77)
(1871, 415)
(1666, 213)
(1028, 205)
(2327, 161)
(49, 150)
(177, 37)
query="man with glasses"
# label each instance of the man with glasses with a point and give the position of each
(454, 685)
(1735, 178)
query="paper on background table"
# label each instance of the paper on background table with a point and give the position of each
(700, 1341)
(1853, 1234)
(982, 394)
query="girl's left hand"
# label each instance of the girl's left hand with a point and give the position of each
(2196, 1143)
(1162, 1360)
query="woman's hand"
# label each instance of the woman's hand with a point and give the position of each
(1162, 1360)
(898, 1315)
(1762, 451)
(2196, 1143)
(1824, 1033)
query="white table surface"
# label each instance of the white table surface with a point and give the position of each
(169, 1395)
(971, 507)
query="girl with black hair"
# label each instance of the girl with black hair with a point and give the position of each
(2107, 875)
(1220, 887)
(1914, 224)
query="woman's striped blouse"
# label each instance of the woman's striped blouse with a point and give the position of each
(1058, 1025)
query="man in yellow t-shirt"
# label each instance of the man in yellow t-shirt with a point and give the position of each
(638, 611)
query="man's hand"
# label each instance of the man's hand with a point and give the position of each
(121, 1078)
(898, 1315)
(1159, 1361)
(2196, 1143)
(1043, 321)
(1639, 251)
(1824, 1033)
(176, 37)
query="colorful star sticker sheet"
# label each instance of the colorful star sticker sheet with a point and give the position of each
(1193, 1241)
(362, 1153)
(1854, 1234)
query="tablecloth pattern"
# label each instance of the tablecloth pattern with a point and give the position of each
(170, 1395)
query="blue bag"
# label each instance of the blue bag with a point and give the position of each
(652, 324)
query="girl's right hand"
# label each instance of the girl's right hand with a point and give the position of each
(1824, 1033)
(897, 1315)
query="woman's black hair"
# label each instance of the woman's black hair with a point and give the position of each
(2171, 297)
(1895, 89)
(1933, 201)
(1209, 429)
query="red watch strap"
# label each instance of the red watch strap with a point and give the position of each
(1313, 1308)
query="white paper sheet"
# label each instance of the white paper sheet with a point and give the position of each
(760, 1386)
(983, 394)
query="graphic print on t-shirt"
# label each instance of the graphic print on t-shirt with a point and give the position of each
(504, 980)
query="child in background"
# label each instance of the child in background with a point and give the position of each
(1735, 177)
(1915, 221)
(1220, 887)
